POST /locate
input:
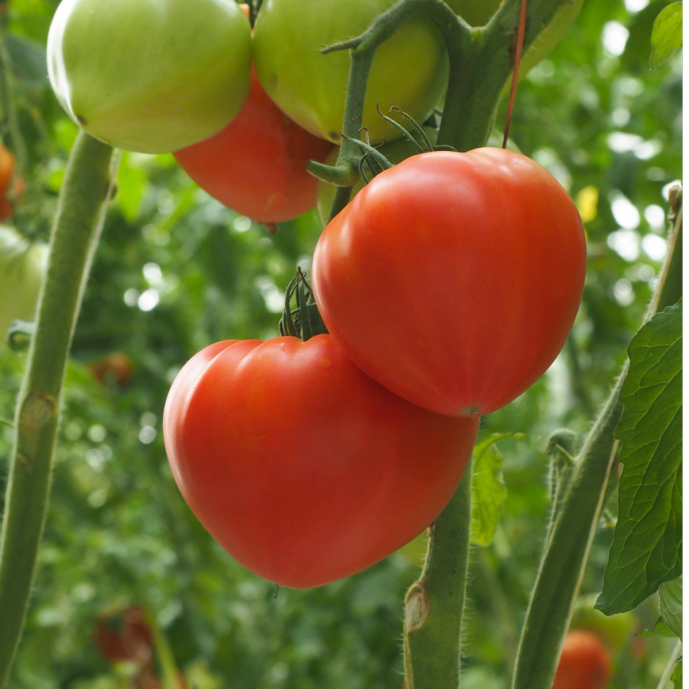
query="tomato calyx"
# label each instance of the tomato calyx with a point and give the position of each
(305, 320)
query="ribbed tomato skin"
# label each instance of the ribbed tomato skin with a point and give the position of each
(257, 164)
(303, 468)
(584, 664)
(453, 279)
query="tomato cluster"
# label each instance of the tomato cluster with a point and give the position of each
(448, 285)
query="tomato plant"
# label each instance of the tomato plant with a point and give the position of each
(257, 164)
(300, 466)
(113, 71)
(409, 70)
(453, 279)
(584, 664)
(22, 268)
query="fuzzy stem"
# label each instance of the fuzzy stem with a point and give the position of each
(574, 525)
(435, 603)
(79, 218)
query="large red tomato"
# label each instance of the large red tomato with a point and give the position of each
(303, 468)
(453, 279)
(584, 664)
(257, 164)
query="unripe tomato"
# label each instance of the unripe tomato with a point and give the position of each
(300, 466)
(409, 70)
(479, 12)
(150, 76)
(22, 269)
(453, 279)
(613, 630)
(7, 163)
(257, 164)
(584, 664)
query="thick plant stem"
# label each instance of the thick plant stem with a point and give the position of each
(80, 214)
(574, 523)
(435, 603)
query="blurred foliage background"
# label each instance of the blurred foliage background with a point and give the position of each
(176, 271)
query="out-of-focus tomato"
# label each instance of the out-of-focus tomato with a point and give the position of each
(453, 279)
(125, 636)
(116, 367)
(7, 163)
(257, 164)
(304, 469)
(409, 69)
(585, 663)
(22, 269)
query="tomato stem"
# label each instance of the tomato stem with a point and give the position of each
(576, 515)
(515, 72)
(78, 222)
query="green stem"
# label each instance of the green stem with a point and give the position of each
(670, 667)
(79, 218)
(435, 603)
(575, 522)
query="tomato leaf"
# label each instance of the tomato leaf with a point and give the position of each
(659, 629)
(677, 675)
(28, 60)
(647, 545)
(488, 491)
(667, 34)
(671, 605)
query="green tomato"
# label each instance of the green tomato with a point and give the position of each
(409, 70)
(151, 76)
(479, 12)
(22, 268)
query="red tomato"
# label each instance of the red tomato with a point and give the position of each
(116, 367)
(7, 163)
(125, 637)
(453, 279)
(300, 466)
(584, 664)
(257, 164)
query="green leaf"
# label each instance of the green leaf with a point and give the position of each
(677, 675)
(671, 605)
(28, 60)
(647, 545)
(488, 490)
(667, 34)
(659, 629)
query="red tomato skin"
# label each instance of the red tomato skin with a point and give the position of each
(453, 279)
(257, 164)
(584, 664)
(303, 468)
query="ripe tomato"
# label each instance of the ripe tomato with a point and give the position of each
(257, 164)
(125, 636)
(453, 279)
(116, 367)
(479, 12)
(7, 163)
(22, 269)
(300, 466)
(150, 76)
(584, 664)
(409, 69)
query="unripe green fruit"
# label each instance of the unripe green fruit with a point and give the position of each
(22, 269)
(409, 70)
(151, 76)
(479, 12)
